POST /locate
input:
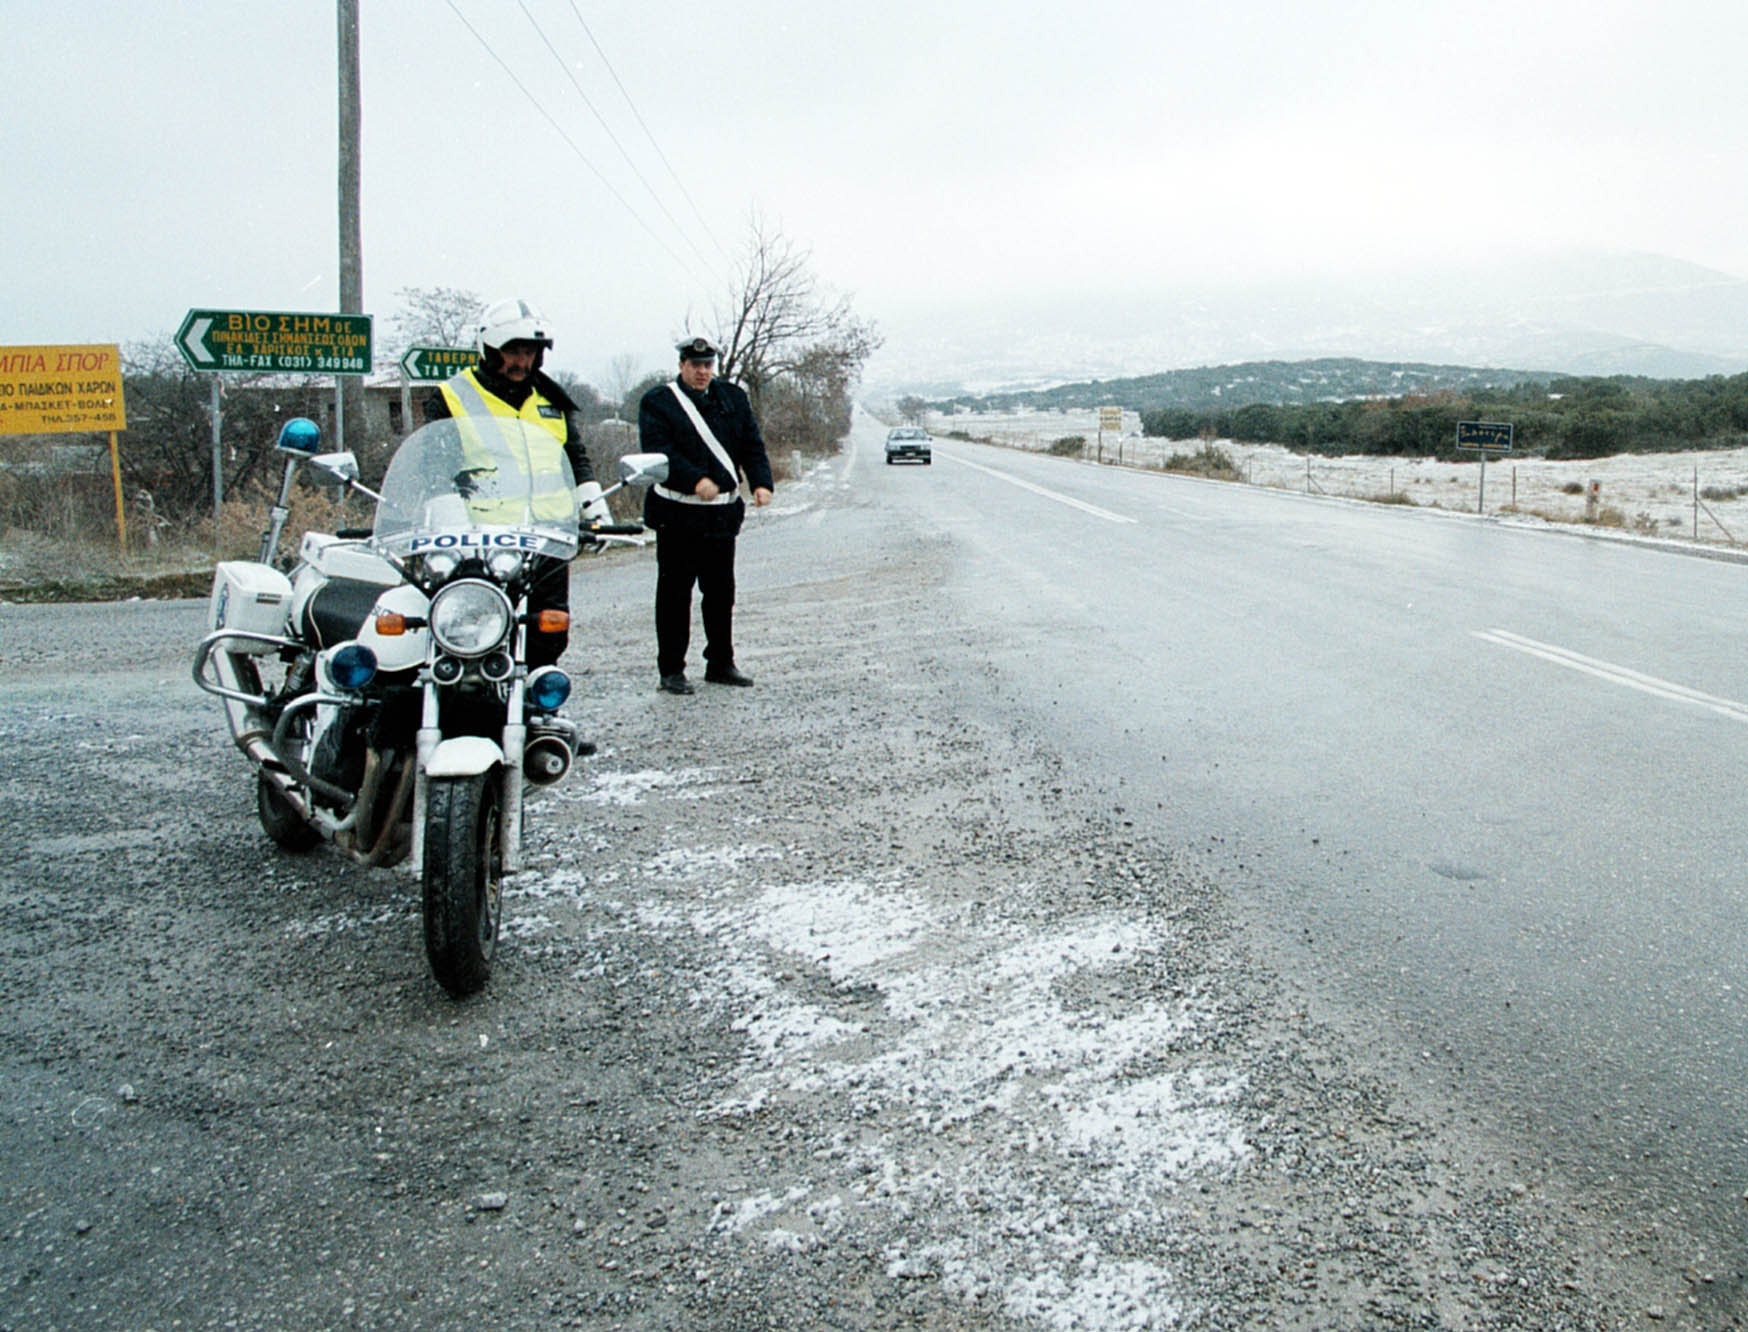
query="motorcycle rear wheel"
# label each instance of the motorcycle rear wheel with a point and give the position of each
(463, 879)
(280, 821)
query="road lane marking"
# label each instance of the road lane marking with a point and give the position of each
(1082, 505)
(1621, 675)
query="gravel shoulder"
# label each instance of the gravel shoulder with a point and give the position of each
(836, 1003)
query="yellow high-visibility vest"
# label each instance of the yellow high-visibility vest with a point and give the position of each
(466, 397)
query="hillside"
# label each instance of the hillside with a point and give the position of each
(1275, 383)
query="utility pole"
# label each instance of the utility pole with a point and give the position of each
(349, 405)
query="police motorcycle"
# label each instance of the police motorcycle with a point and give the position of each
(381, 691)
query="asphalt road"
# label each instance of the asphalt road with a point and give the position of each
(1478, 784)
(1157, 909)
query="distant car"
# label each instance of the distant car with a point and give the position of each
(908, 442)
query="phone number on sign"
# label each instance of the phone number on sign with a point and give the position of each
(345, 365)
(104, 420)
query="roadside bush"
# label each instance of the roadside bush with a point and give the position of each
(1172, 423)
(53, 503)
(1068, 446)
(1210, 460)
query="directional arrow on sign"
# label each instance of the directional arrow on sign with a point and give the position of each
(191, 339)
(428, 364)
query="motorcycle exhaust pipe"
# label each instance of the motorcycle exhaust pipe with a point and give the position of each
(545, 759)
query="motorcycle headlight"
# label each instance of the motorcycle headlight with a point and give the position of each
(470, 618)
(442, 563)
(505, 564)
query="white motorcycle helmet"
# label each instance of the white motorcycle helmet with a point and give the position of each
(506, 321)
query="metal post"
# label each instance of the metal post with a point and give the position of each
(218, 480)
(115, 472)
(349, 407)
(1481, 504)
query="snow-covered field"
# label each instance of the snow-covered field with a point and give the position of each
(1697, 495)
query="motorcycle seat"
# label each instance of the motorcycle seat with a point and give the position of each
(338, 610)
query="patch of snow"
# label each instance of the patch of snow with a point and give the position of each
(629, 788)
(988, 1102)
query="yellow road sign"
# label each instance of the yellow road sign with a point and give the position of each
(60, 390)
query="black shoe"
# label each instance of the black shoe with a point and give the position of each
(676, 684)
(729, 676)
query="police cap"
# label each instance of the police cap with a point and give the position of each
(697, 349)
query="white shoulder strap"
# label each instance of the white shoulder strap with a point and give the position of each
(704, 432)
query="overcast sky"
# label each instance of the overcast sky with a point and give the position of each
(180, 154)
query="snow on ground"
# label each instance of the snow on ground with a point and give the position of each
(963, 1067)
(1692, 495)
(1006, 1140)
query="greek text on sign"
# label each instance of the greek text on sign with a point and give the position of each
(1110, 418)
(437, 363)
(256, 341)
(1487, 435)
(60, 390)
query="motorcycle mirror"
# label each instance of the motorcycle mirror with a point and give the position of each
(641, 469)
(300, 435)
(337, 469)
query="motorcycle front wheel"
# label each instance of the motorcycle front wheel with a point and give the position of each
(464, 879)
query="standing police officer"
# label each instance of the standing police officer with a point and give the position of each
(706, 428)
(511, 339)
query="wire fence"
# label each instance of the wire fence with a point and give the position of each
(1693, 495)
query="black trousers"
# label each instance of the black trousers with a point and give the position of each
(550, 590)
(685, 559)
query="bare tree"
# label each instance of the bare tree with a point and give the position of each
(169, 438)
(913, 408)
(431, 317)
(591, 405)
(778, 318)
(622, 376)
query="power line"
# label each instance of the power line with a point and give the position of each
(602, 121)
(648, 134)
(581, 156)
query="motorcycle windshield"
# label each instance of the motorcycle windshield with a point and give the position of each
(478, 483)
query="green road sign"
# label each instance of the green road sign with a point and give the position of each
(437, 363)
(255, 341)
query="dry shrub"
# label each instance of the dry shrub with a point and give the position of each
(53, 504)
(1210, 460)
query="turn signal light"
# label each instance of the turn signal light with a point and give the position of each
(391, 624)
(552, 621)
